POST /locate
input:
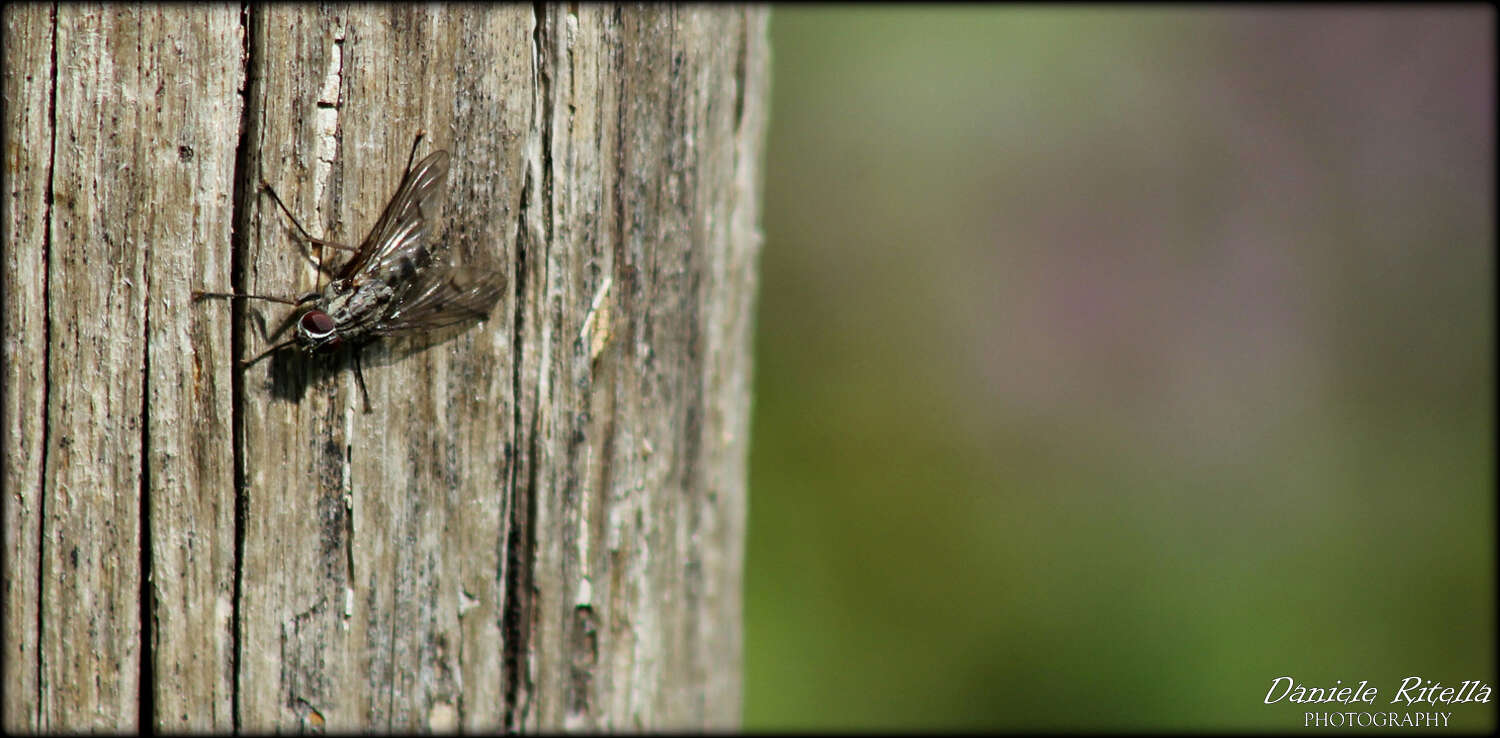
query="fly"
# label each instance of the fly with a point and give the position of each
(396, 282)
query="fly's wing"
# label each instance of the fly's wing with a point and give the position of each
(430, 289)
(399, 238)
(443, 294)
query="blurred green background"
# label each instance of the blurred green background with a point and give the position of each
(1113, 362)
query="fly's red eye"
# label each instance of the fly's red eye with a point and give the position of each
(316, 324)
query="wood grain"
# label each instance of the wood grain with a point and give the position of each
(539, 525)
(191, 62)
(23, 311)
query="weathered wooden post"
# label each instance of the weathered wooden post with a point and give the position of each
(539, 525)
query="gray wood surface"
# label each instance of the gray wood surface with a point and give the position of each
(540, 522)
(23, 310)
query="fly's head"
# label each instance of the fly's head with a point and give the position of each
(316, 331)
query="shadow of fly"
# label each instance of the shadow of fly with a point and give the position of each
(396, 282)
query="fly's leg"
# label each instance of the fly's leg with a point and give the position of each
(321, 243)
(200, 294)
(267, 352)
(309, 297)
(413, 155)
(359, 375)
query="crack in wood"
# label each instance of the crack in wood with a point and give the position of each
(239, 240)
(46, 434)
(145, 695)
